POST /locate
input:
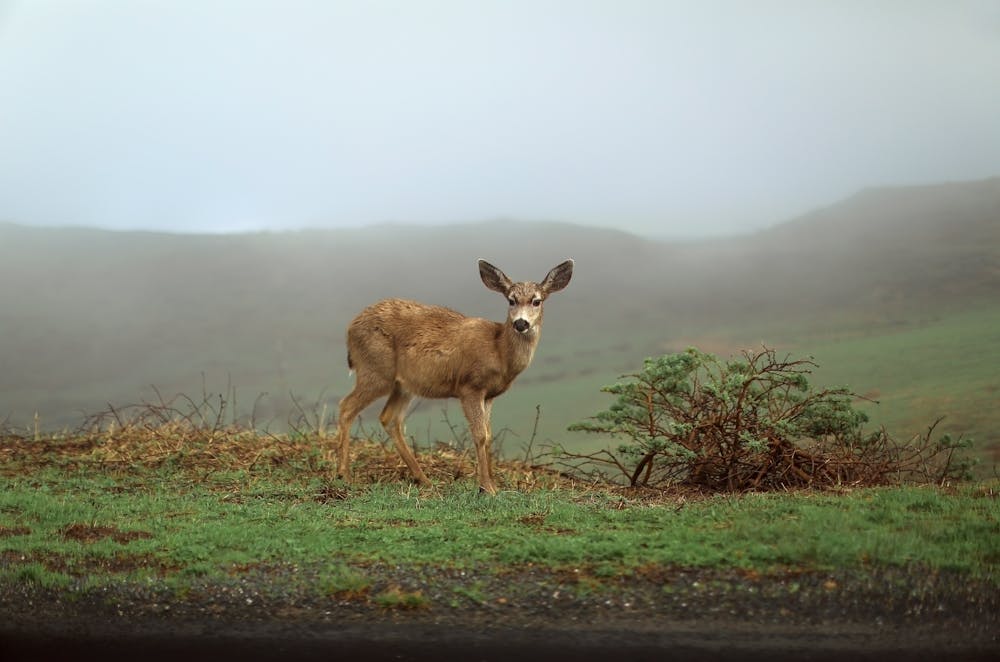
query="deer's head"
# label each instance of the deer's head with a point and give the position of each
(524, 311)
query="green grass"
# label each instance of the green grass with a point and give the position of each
(181, 531)
(397, 598)
(921, 371)
(342, 580)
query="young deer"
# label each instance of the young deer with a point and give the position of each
(404, 349)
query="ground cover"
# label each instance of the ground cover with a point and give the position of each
(158, 531)
(70, 513)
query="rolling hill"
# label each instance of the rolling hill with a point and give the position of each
(90, 317)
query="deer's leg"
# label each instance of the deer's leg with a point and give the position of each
(392, 420)
(475, 410)
(366, 390)
(488, 412)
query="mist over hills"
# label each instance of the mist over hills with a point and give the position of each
(882, 252)
(89, 317)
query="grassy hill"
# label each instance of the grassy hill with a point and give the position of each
(892, 290)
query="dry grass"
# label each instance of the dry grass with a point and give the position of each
(192, 438)
(199, 453)
(155, 437)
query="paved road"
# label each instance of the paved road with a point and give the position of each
(418, 642)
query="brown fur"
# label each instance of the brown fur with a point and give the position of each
(404, 349)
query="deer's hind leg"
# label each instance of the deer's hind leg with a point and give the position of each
(392, 420)
(368, 388)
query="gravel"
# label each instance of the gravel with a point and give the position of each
(527, 613)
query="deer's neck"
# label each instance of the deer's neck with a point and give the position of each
(518, 348)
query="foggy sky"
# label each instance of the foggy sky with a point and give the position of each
(667, 118)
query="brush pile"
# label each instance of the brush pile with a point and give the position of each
(691, 419)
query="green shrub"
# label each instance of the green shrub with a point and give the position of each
(751, 423)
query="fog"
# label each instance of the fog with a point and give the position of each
(673, 119)
(91, 319)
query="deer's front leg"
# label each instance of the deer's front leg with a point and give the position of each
(476, 413)
(488, 413)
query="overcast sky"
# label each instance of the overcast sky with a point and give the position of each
(669, 118)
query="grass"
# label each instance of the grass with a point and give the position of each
(342, 580)
(397, 598)
(172, 513)
(66, 522)
(921, 371)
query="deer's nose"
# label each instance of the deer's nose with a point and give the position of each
(521, 325)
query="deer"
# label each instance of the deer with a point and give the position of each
(404, 349)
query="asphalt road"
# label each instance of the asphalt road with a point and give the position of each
(419, 640)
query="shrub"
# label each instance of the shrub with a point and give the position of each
(751, 423)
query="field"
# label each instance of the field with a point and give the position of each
(941, 367)
(173, 529)
(254, 529)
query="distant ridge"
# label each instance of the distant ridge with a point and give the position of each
(932, 207)
(886, 250)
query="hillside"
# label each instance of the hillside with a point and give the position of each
(886, 254)
(91, 317)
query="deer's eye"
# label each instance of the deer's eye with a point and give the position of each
(511, 301)
(536, 302)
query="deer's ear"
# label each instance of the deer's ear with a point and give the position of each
(558, 278)
(494, 279)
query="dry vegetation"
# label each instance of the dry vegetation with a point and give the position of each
(192, 436)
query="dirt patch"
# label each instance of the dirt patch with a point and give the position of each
(82, 566)
(8, 531)
(116, 563)
(536, 521)
(87, 533)
(330, 493)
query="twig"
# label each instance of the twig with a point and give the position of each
(528, 457)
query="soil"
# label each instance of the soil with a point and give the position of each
(272, 613)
